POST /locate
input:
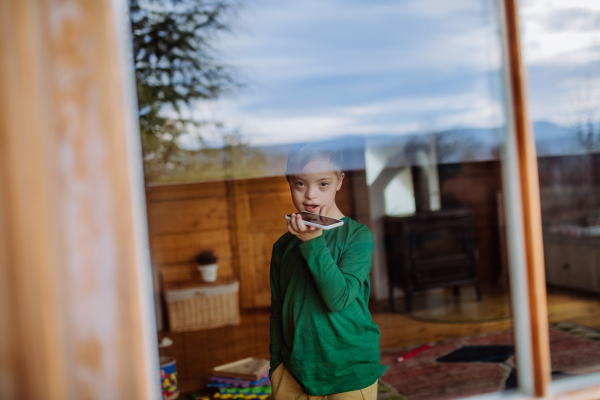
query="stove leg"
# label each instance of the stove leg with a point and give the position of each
(478, 291)
(391, 297)
(408, 300)
(456, 291)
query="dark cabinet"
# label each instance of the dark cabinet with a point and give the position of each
(429, 250)
(572, 262)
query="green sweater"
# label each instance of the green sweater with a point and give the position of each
(321, 328)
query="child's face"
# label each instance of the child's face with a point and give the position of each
(315, 186)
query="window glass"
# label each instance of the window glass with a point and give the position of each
(561, 50)
(410, 94)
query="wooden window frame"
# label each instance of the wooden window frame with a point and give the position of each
(536, 376)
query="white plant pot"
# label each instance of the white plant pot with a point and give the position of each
(209, 272)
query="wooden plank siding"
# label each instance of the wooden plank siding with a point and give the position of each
(474, 186)
(239, 219)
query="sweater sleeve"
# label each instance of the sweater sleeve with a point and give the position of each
(340, 284)
(276, 325)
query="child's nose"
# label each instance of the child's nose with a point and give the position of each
(311, 193)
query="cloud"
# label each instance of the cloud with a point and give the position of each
(325, 67)
(564, 95)
(561, 31)
(324, 38)
(318, 68)
(395, 116)
(561, 48)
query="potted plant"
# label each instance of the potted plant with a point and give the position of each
(207, 264)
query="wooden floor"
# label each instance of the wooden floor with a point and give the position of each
(197, 352)
(443, 305)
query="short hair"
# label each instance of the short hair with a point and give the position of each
(301, 154)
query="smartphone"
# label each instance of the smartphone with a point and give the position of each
(318, 221)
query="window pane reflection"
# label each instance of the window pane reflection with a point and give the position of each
(561, 51)
(411, 95)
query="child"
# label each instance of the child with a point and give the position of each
(324, 344)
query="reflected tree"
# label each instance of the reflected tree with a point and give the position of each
(454, 146)
(177, 65)
(588, 133)
(586, 126)
(234, 159)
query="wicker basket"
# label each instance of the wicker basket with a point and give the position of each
(203, 307)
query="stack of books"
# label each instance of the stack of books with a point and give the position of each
(243, 379)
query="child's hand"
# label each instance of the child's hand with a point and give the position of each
(297, 227)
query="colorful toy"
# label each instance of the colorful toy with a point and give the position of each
(220, 381)
(413, 353)
(168, 378)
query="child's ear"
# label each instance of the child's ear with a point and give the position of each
(339, 185)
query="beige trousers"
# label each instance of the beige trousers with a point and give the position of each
(286, 387)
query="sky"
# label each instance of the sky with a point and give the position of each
(562, 53)
(317, 69)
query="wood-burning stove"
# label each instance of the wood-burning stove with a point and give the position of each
(432, 249)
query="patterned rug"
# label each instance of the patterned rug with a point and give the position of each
(482, 364)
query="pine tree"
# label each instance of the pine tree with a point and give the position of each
(176, 65)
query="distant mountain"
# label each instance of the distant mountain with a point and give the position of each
(469, 144)
(552, 139)
(457, 145)
(389, 150)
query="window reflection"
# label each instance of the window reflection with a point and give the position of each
(560, 48)
(411, 94)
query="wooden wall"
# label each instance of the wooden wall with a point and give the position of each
(239, 219)
(183, 219)
(569, 187)
(474, 186)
